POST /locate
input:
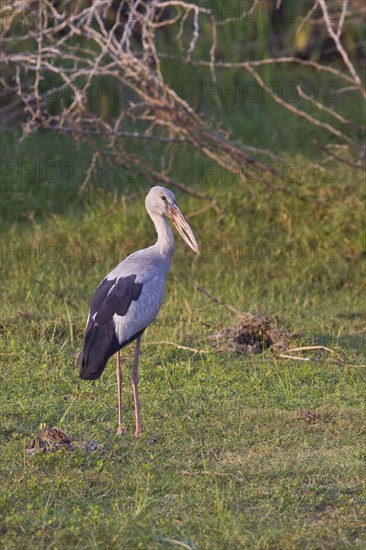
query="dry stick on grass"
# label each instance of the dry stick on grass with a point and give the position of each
(295, 358)
(179, 346)
(312, 359)
(214, 299)
(309, 348)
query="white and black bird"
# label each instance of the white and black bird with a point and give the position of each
(130, 296)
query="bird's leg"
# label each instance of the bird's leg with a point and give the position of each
(120, 430)
(135, 379)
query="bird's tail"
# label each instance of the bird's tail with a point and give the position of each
(99, 346)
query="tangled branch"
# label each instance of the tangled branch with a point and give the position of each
(73, 45)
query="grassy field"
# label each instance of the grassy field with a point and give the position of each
(226, 459)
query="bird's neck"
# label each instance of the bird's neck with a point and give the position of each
(165, 243)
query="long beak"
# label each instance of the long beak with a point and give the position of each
(183, 228)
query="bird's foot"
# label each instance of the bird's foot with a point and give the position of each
(137, 432)
(121, 431)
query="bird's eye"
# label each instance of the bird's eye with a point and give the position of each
(163, 198)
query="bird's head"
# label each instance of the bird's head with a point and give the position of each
(161, 201)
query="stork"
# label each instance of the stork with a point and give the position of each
(130, 296)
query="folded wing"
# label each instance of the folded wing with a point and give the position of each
(111, 297)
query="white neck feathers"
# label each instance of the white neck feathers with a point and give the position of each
(165, 243)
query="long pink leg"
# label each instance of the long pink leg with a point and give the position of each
(135, 380)
(120, 430)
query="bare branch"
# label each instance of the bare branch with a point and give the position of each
(297, 111)
(342, 18)
(57, 52)
(336, 37)
(321, 106)
(244, 15)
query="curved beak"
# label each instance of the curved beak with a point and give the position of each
(182, 227)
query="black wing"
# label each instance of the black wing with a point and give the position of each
(119, 299)
(97, 301)
(100, 339)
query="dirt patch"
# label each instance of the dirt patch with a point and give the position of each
(308, 416)
(311, 417)
(323, 512)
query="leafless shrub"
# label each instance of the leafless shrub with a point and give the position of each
(74, 44)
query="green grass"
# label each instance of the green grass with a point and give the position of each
(224, 460)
